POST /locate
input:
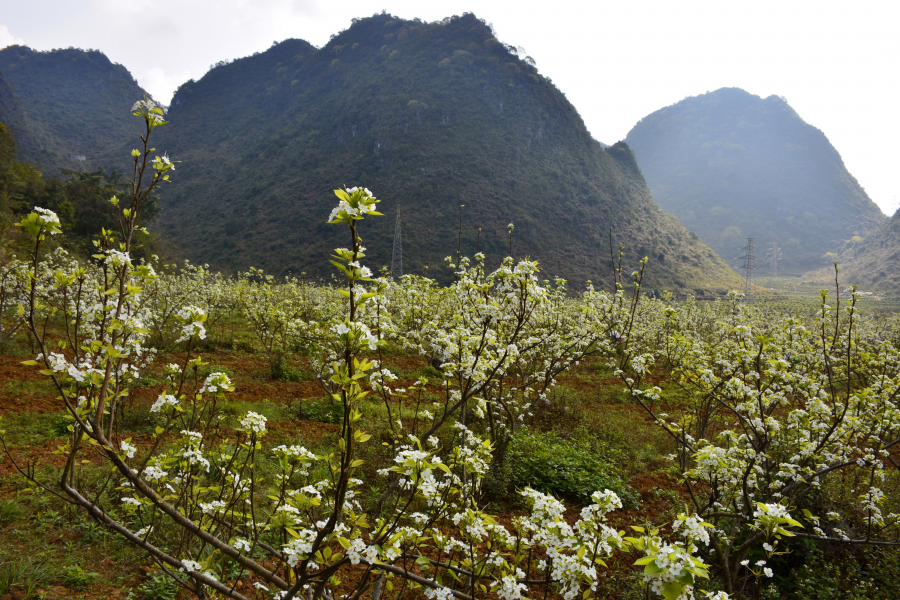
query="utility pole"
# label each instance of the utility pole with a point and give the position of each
(397, 258)
(749, 282)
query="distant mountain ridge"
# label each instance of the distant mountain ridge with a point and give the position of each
(68, 108)
(731, 165)
(430, 116)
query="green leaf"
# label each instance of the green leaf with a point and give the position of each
(685, 577)
(672, 590)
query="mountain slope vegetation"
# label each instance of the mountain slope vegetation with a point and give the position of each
(731, 165)
(11, 111)
(68, 108)
(430, 116)
(873, 261)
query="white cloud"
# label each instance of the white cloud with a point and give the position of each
(8, 39)
(176, 39)
(160, 84)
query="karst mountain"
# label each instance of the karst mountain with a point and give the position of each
(431, 117)
(68, 108)
(731, 165)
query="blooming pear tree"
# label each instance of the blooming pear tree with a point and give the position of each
(775, 410)
(13, 287)
(190, 285)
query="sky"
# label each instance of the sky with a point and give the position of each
(836, 63)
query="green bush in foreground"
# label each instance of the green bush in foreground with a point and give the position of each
(568, 468)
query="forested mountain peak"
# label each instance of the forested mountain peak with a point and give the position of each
(73, 105)
(430, 116)
(732, 165)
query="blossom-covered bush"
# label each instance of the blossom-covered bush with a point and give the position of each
(777, 408)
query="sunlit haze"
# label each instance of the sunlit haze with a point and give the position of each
(836, 63)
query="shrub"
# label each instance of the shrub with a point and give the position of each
(832, 573)
(567, 468)
(283, 371)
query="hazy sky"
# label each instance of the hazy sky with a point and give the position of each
(835, 62)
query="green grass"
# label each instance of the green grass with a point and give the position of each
(25, 574)
(605, 414)
(34, 429)
(158, 586)
(31, 387)
(46, 543)
(10, 511)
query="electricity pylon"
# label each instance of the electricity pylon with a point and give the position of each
(397, 258)
(749, 282)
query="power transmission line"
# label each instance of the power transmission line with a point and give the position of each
(397, 258)
(749, 282)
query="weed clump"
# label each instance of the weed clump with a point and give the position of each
(567, 468)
